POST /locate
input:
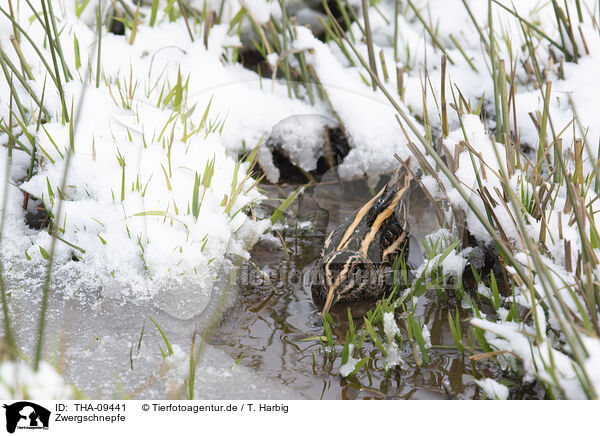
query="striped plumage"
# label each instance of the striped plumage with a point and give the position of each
(356, 258)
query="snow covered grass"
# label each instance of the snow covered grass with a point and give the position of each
(510, 161)
(141, 148)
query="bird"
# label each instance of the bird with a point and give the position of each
(356, 259)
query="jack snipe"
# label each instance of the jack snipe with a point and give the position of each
(356, 259)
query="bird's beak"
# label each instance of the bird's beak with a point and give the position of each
(332, 298)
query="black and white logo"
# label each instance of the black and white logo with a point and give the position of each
(26, 415)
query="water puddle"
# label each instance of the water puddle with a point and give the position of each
(108, 347)
(268, 327)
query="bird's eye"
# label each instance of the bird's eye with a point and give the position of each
(356, 271)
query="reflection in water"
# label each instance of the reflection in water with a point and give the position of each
(269, 326)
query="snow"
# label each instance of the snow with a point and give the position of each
(426, 336)
(493, 389)
(368, 117)
(347, 368)
(454, 264)
(392, 350)
(484, 291)
(389, 326)
(573, 113)
(128, 194)
(537, 361)
(148, 244)
(300, 138)
(19, 381)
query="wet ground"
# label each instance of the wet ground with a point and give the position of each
(96, 340)
(268, 328)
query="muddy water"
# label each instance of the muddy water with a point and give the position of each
(268, 328)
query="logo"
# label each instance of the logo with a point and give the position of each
(26, 415)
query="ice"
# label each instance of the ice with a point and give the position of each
(109, 348)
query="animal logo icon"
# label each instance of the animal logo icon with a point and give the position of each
(27, 415)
